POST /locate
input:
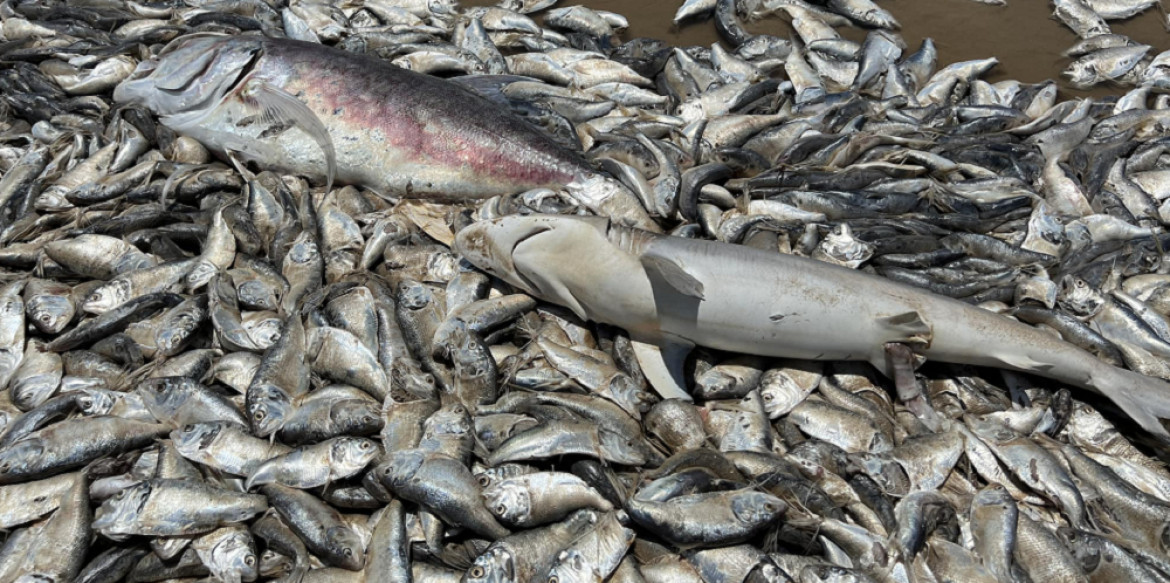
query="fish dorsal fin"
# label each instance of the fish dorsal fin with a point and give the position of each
(662, 365)
(277, 105)
(674, 274)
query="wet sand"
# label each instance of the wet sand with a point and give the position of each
(1023, 35)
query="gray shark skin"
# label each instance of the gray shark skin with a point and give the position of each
(671, 294)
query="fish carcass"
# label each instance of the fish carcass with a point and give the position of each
(305, 108)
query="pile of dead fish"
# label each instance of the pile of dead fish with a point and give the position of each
(1099, 57)
(211, 370)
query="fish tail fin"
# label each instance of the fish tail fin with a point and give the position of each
(1145, 399)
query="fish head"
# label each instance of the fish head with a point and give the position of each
(234, 558)
(495, 565)
(264, 331)
(268, 407)
(828, 574)
(164, 395)
(191, 73)
(414, 295)
(1082, 74)
(195, 437)
(274, 564)
(50, 314)
(169, 340)
(358, 411)
(400, 466)
(993, 495)
(1082, 547)
(889, 475)
(16, 458)
(351, 454)
(757, 507)
(304, 250)
(573, 567)
(254, 292)
(518, 249)
(452, 419)
(508, 500)
(629, 395)
(347, 547)
(201, 274)
(93, 402)
(1079, 297)
(107, 297)
(117, 515)
(768, 573)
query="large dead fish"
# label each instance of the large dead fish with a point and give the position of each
(672, 293)
(309, 109)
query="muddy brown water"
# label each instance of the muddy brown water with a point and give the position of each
(1023, 35)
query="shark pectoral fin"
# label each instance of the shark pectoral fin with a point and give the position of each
(662, 365)
(565, 298)
(279, 106)
(530, 261)
(674, 274)
(907, 328)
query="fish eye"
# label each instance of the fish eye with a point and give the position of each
(347, 552)
(188, 428)
(259, 415)
(476, 572)
(501, 509)
(365, 445)
(554, 579)
(249, 560)
(484, 480)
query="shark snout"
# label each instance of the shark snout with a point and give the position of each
(488, 245)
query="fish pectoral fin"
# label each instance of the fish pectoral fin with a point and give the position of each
(908, 328)
(674, 274)
(277, 106)
(662, 365)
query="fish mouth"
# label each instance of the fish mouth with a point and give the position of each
(534, 232)
(192, 73)
(486, 246)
